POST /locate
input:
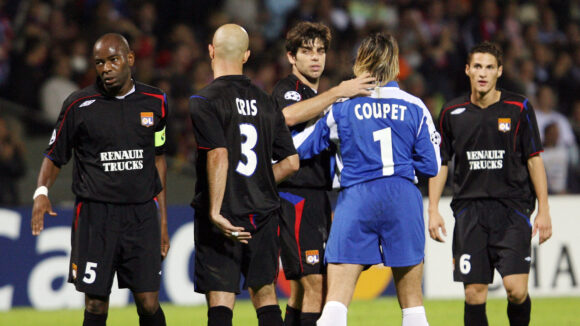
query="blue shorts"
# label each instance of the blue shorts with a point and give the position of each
(379, 221)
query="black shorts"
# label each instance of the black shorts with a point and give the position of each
(304, 229)
(108, 238)
(490, 235)
(219, 261)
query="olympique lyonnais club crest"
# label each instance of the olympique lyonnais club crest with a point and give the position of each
(312, 257)
(147, 119)
(504, 124)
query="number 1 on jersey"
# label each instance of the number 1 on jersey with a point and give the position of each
(385, 140)
(249, 131)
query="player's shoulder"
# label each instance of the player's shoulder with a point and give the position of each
(83, 96)
(288, 89)
(457, 102)
(148, 89)
(512, 97)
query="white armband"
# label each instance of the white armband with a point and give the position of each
(42, 190)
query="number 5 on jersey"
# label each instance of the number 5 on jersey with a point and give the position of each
(250, 134)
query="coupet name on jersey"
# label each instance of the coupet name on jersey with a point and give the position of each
(246, 107)
(485, 160)
(380, 111)
(126, 160)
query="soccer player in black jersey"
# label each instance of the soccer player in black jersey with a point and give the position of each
(493, 136)
(116, 128)
(239, 132)
(306, 208)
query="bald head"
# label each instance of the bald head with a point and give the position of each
(112, 40)
(230, 42)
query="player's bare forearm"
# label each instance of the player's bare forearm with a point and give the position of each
(436, 185)
(217, 174)
(161, 165)
(543, 221)
(436, 222)
(46, 177)
(313, 107)
(286, 167)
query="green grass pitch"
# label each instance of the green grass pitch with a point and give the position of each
(380, 311)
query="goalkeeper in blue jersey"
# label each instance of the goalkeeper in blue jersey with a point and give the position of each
(385, 140)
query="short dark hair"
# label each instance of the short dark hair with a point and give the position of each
(487, 47)
(306, 32)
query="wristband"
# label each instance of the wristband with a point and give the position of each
(42, 190)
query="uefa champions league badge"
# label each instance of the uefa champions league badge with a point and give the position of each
(504, 124)
(147, 119)
(312, 257)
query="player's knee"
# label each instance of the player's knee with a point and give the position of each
(475, 294)
(517, 294)
(96, 306)
(147, 304)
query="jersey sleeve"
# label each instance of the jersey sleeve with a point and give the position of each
(446, 148)
(207, 125)
(283, 145)
(316, 138)
(285, 96)
(61, 142)
(528, 133)
(426, 157)
(160, 137)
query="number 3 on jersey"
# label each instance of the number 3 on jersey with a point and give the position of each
(385, 140)
(251, 138)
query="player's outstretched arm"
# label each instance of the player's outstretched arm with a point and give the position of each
(313, 107)
(543, 221)
(161, 166)
(46, 177)
(217, 174)
(286, 167)
(436, 222)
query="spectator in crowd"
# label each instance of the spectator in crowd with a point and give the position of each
(555, 160)
(546, 113)
(12, 165)
(57, 88)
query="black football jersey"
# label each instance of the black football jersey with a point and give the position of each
(233, 113)
(315, 172)
(113, 140)
(491, 148)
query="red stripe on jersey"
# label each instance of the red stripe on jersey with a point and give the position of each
(518, 104)
(297, 84)
(521, 106)
(78, 212)
(162, 98)
(299, 209)
(64, 119)
(536, 153)
(252, 221)
(443, 113)
(201, 147)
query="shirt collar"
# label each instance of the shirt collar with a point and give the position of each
(128, 93)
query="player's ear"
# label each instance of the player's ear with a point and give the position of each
(246, 56)
(291, 58)
(131, 58)
(211, 51)
(467, 69)
(499, 71)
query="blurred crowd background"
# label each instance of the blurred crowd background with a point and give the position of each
(46, 47)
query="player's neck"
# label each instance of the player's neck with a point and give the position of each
(483, 100)
(312, 83)
(225, 68)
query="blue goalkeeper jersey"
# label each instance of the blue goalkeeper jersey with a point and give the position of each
(389, 133)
